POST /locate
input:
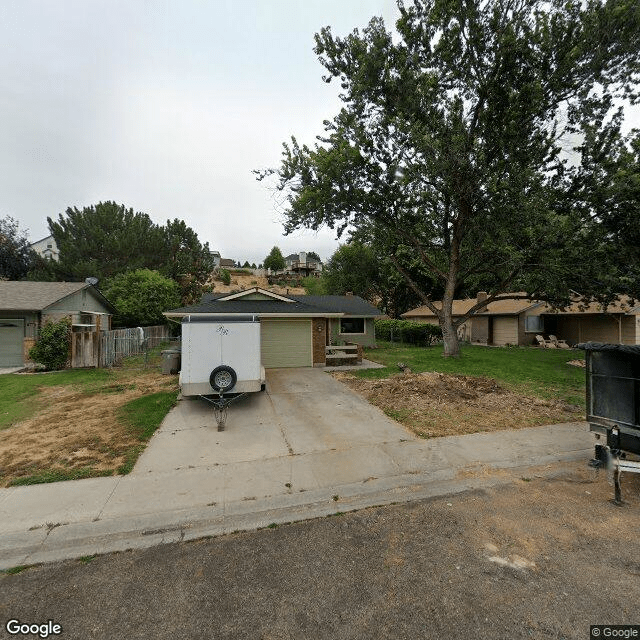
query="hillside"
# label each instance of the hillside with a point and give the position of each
(240, 282)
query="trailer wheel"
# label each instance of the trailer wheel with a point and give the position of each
(223, 378)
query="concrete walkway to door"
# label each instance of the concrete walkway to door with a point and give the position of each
(308, 447)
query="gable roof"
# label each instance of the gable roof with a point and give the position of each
(305, 306)
(36, 296)
(247, 292)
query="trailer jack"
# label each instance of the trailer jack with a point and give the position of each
(220, 406)
(615, 464)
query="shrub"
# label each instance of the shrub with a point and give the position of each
(225, 276)
(419, 333)
(141, 296)
(53, 345)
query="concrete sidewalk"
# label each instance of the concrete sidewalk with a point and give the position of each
(72, 519)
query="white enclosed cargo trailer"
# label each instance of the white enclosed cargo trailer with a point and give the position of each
(221, 355)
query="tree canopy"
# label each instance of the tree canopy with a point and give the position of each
(16, 256)
(275, 260)
(140, 296)
(449, 148)
(108, 239)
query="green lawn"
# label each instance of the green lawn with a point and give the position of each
(542, 372)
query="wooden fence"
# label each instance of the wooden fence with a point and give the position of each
(90, 349)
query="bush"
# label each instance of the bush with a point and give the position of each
(53, 346)
(225, 276)
(419, 333)
(140, 297)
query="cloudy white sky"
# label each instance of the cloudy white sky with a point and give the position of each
(166, 107)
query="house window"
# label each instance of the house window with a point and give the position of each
(534, 324)
(352, 325)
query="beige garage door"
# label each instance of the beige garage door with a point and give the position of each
(286, 343)
(505, 331)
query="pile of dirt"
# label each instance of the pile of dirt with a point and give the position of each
(435, 404)
(241, 282)
(76, 428)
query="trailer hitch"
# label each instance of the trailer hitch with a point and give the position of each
(220, 405)
(613, 460)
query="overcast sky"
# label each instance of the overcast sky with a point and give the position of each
(165, 107)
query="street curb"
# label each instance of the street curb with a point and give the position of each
(68, 541)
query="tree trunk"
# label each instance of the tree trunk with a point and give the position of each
(449, 336)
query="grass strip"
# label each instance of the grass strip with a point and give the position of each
(142, 417)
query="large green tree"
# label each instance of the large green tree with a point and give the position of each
(105, 239)
(185, 260)
(16, 256)
(108, 239)
(449, 145)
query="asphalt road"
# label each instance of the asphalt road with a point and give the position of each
(537, 558)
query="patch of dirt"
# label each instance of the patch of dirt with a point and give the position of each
(440, 404)
(241, 282)
(578, 363)
(76, 428)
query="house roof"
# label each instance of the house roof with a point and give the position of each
(227, 262)
(624, 305)
(460, 307)
(326, 306)
(36, 296)
(515, 307)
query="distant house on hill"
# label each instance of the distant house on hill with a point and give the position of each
(302, 264)
(46, 248)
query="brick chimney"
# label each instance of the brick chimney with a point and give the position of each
(482, 296)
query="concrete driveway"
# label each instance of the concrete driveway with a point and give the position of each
(302, 411)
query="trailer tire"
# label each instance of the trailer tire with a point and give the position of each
(223, 378)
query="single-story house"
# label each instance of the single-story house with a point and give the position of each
(517, 322)
(26, 306)
(295, 330)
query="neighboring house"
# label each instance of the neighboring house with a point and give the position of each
(619, 323)
(227, 263)
(301, 263)
(215, 255)
(26, 306)
(47, 248)
(295, 330)
(517, 322)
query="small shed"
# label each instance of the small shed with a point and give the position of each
(26, 306)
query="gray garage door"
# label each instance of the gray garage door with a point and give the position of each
(11, 336)
(286, 343)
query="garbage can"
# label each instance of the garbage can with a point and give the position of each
(170, 361)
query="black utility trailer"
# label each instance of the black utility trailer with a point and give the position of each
(613, 406)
